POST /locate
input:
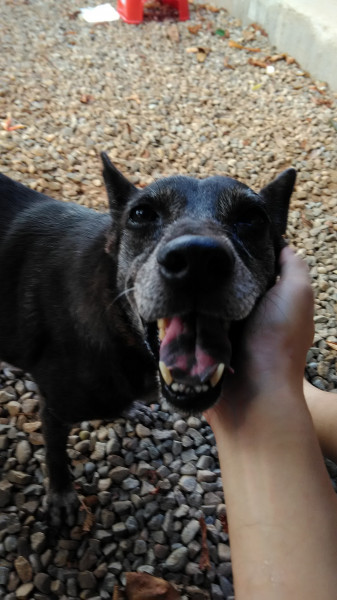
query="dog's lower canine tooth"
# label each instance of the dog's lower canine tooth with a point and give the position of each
(217, 375)
(166, 374)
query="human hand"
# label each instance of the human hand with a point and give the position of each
(276, 337)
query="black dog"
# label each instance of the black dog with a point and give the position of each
(92, 304)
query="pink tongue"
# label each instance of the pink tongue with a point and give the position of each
(193, 347)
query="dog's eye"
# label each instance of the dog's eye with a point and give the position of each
(250, 224)
(143, 215)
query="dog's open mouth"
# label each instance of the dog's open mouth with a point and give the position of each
(194, 354)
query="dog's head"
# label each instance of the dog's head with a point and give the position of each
(194, 256)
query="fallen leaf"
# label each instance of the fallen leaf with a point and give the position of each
(227, 63)
(142, 586)
(332, 345)
(204, 562)
(211, 8)
(306, 221)
(194, 29)
(90, 500)
(259, 28)
(257, 86)
(233, 44)
(277, 57)
(224, 522)
(74, 14)
(89, 520)
(201, 56)
(257, 63)
(117, 594)
(86, 98)
(290, 60)
(7, 124)
(173, 33)
(249, 36)
(134, 97)
(323, 102)
(199, 51)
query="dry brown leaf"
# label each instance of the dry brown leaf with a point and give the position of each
(194, 29)
(277, 57)
(305, 221)
(89, 520)
(224, 522)
(290, 60)
(201, 57)
(202, 53)
(118, 594)
(90, 500)
(323, 102)
(142, 586)
(7, 124)
(86, 98)
(259, 28)
(134, 97)
(74, 14)
(332, 345)
(204, 562)
(257, 63)
(227, 63)
(233, 44)
(249, 36)
(191, 49)
(211, 8)
(173, 33)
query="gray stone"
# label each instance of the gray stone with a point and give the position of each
(177, 560)
(187, 483)
(190, 531)
(42, 582)
(86, 580)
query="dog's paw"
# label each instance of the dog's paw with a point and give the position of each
(62, 508)
(140, 412)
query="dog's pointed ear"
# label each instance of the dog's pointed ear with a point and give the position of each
(118, 188)
(277, 197)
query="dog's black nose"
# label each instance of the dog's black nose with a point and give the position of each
(195, 259)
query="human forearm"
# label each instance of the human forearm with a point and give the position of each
(282, 511)
(323, 409)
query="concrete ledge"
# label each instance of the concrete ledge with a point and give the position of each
(305, 29)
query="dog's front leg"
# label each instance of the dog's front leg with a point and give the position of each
(62, 500)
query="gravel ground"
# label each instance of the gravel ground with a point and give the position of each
(162, 98)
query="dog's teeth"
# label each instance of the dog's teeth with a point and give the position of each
(217, 375)
(182, 387)
(162, 325)
(205, 388)
(175, 387)
(166, 373)
(198, 389)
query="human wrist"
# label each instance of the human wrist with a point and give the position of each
(256, 409)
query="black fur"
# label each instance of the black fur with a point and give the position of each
(75, 284)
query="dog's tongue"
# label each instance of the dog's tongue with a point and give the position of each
(193, 347)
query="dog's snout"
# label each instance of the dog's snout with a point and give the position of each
(195, 258)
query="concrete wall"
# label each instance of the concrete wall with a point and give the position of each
(305, 29)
